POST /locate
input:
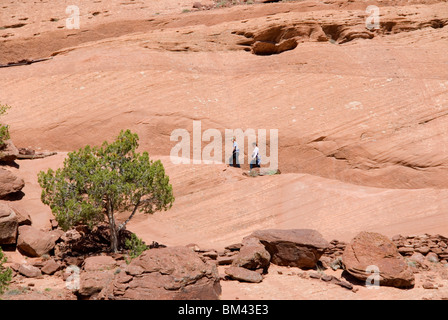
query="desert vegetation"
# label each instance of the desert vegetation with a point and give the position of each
(98, 182)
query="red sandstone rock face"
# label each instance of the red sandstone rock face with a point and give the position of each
(167, 273)
(373, 249)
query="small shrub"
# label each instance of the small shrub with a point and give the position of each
(4, 128)
(135, 245)
(5, 274)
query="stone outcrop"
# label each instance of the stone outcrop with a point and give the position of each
(294, 247)
(167, 273)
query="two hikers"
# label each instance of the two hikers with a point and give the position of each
(255, 162)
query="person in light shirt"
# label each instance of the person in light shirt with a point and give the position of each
(255, 163)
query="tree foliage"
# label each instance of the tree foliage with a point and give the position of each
(95, 183)
(136, 246)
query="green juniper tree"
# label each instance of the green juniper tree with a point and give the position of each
(96, 183)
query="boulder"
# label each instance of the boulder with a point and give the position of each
(432, 257)
(23, 217)
(294, 247)
(8, 151)
(8, 225)
(93, 284)
(252, 255)
(243, 274)
(373, 249)
(99, 263)
(9, 183)
(33, 242)
(29, 271)
(172, 273)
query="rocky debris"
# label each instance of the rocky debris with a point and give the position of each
(335, 249)
(372, 249)
(252, 255)
(327, 278)
(166, 273)
(33, 242)
(9, 183)
(8, 151)
(29, 271)
(433, 247)
(294, 247)
(243, 274)
(9, 224)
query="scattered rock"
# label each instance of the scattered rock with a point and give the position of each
(373, 249)
(224, 260)
(344, 284)
(252, 255)
(50, 267)
(326, 278)
(432, 257)
(428, 285)
(29, 271)
(210, 254)
(234, 247)
(243, 274)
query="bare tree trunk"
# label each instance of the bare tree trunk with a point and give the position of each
(113, 230)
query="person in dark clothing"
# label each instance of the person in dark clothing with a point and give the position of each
(235, 154)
